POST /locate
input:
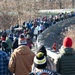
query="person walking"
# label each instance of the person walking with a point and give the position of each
(21, 59)
(4, 45)
(54, 46)
(15, 43)
(50, 63)
(65, 64)
(29, 42)
(4, 59)
(9, 42)
(40, 63)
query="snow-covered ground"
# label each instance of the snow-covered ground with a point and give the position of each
(56, 11)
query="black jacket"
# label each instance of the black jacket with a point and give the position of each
(15, 44)
(4, 45)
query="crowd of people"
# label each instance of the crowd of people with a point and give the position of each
(16, 56)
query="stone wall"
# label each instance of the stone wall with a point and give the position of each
(55, 33)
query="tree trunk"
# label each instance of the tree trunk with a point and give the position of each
(72, 3)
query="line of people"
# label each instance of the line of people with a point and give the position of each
(21, 60)
(24, 62)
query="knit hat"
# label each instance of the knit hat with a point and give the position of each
(67, 42)
(42, 49)
(22, 40)
(21, 36)
(40, 61)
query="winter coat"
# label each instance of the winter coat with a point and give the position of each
(29, 42)
(0, 43)
(50, 65)
(65, 64)
(9, 42)
(36, 30)
(21, 60)
(44, 71)
(15, 44)
(4, 46)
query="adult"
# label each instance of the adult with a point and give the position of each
(40, 63)
(9, 42)
(50, 64)
(65, 64)
(4, 45)
(15, 43)
(29, 42)
(22, 40)
(4, 63)
(21, 59)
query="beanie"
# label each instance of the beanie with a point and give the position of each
(21, 36)
(42, 49)
(67, 42)
(22, 40)
(40, 61)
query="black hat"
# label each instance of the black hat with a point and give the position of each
(22, 40)
(21, 36)
(40, 61)
(42, 49)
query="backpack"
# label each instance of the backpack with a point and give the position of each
(45, 72)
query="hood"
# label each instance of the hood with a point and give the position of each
(22, 49)
(67, 51)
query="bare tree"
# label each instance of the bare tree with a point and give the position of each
(42, 3)
(50, 6)
(6, 19)
(72, 3)
(18, 10)
(60, 4)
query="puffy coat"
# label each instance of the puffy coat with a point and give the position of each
(65, 64)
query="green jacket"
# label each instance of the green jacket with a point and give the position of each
(9, 42)
(65, 64)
